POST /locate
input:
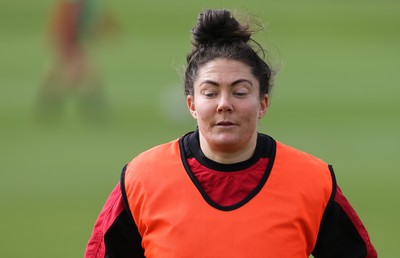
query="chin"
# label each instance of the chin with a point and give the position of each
(226, 140)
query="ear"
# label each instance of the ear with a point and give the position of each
(191, 106)
(263, 106)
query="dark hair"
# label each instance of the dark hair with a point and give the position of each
(218, 34)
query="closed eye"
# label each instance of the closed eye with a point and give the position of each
(209, 94)
(240, 94)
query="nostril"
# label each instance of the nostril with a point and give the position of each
(224, 109)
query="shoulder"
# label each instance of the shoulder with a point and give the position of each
(298, 156)
(157, 156)
(159, 151)
(299, 170)
(303, 166)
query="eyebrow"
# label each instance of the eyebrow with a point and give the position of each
(233, 83)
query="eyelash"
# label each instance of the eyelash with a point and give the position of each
(213, 94)
(240, 94)
(209, 94)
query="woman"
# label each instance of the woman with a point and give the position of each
(73, 74)
(226, 190)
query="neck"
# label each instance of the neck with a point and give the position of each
(228, 154)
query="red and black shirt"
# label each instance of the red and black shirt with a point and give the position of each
(227, 187)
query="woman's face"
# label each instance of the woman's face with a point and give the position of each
(226, 104)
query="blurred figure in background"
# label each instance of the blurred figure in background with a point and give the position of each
(73, 24)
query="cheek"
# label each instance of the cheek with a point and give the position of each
(204, 109)
(251, 112)
(203, 114)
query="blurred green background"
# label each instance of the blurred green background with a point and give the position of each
(336, 96)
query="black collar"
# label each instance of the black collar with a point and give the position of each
(192, 149)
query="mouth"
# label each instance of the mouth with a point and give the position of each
(225, 124)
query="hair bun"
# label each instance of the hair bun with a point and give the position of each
(218, 27)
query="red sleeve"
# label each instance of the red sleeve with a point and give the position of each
(115, 233)
(341, 200)
(113, 207)
(342, 234)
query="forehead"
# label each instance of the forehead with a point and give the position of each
(225, 71)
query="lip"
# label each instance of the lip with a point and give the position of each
(225, 123)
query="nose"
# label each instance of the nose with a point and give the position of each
(224, 104)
